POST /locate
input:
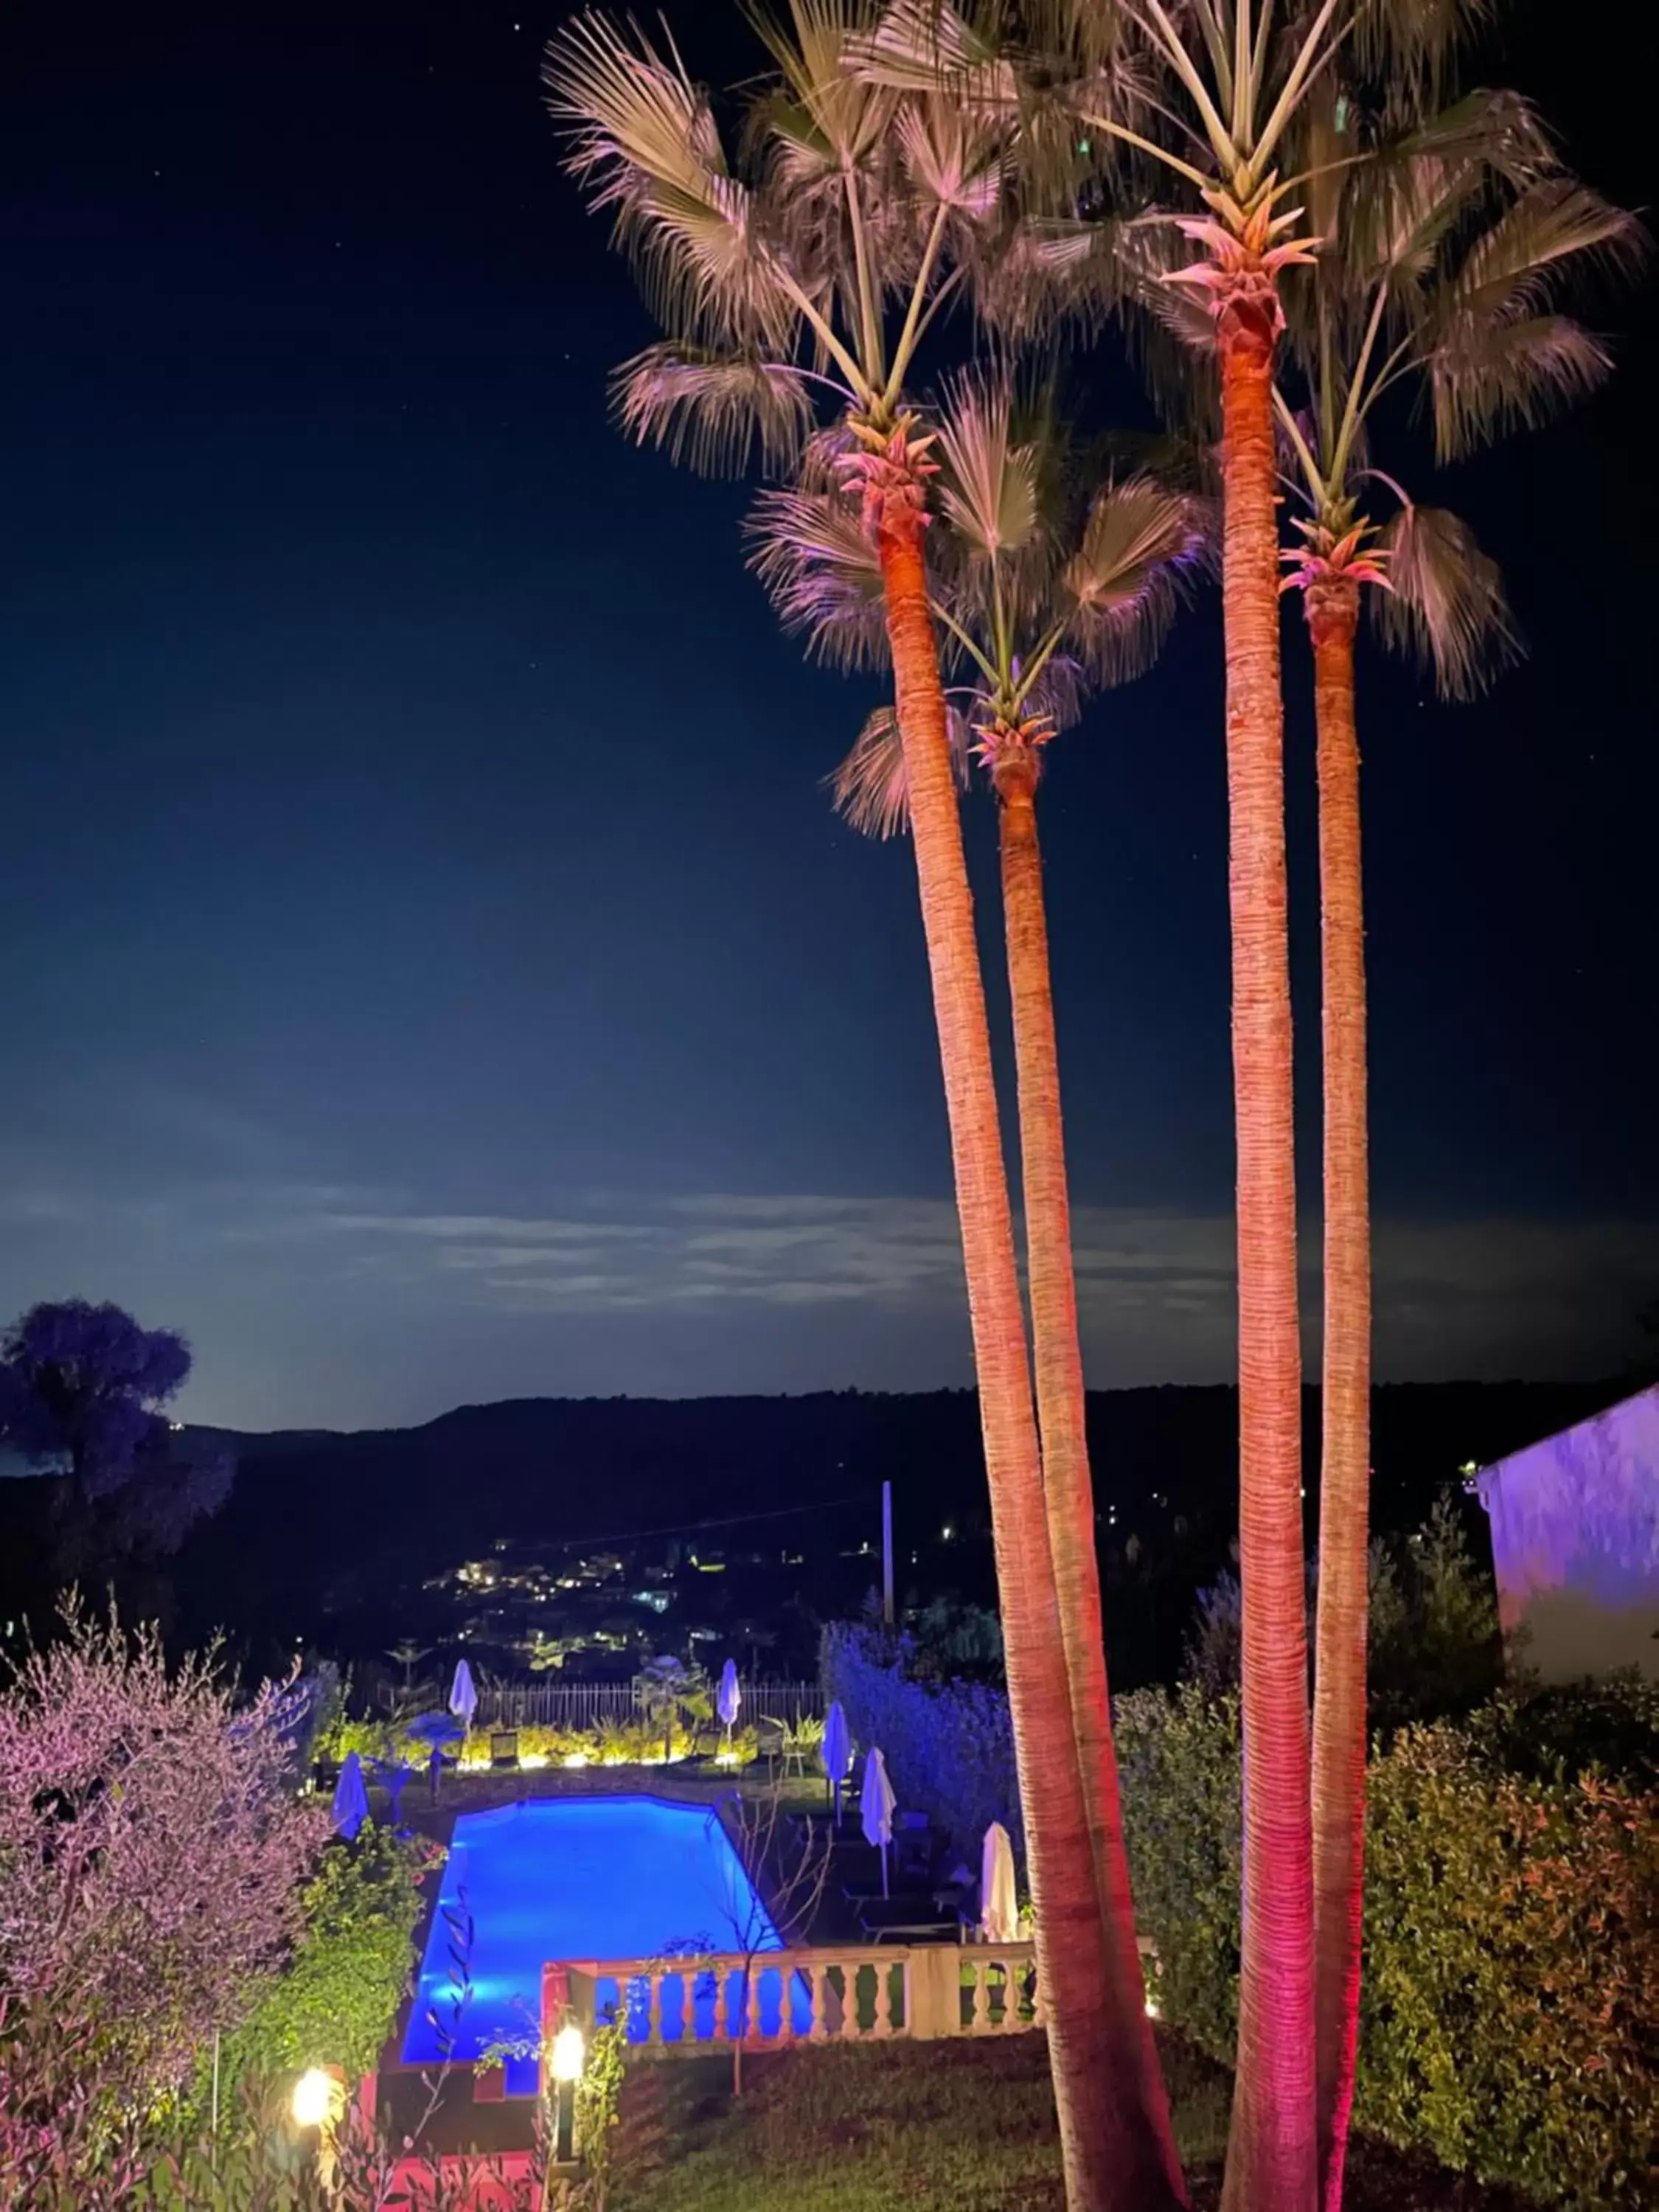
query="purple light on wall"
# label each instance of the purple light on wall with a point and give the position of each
(1575, 1539)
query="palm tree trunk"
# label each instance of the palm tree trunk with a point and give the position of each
(1093, 2105)
(1068, 1491)
(1331, 606)
(1271, 2155)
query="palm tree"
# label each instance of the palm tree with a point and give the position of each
(1448, 244)
(814, 267)
(1203, 95)
(1038, 599)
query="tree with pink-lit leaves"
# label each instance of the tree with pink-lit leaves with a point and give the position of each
(151, 1861)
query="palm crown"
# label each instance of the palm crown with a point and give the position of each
(1451, 241)
(1041, 589)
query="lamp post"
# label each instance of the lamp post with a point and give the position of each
(570, 2055)
(318, 2102)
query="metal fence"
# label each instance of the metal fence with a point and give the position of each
(585, 1705)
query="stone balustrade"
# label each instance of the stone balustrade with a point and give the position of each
(772, 2000)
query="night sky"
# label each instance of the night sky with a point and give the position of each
(433, 971)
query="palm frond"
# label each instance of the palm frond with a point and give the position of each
(712, 410)
(1512, 376)
(641, 142)
(1415, 41)
(1498, 129)
(1497, 351)
(871, 788)
(821, 574)
(1390, 212)
(1142, 543)
(1445, 606)
(813, 51)
(1510, 266)
(928, 46)
(1168, 328)
(953, 159)
(1059, 694)
(1047, 274)
(990, 489)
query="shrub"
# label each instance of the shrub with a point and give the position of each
(744, 1748)
(1512, 1972)
(369, 1739)
(1511, 1941)
(1178, 1758)
(949, 1746)
(1434, 1649)
(1561, 1731)
(337, 1999)
(153, 1864)
(539, 1741)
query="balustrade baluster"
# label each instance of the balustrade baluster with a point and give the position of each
(881, 2022)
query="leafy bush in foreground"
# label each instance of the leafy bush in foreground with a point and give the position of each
(1511, 1941)
(153, 1862)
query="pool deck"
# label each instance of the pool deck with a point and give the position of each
(459, 2124)
(481, 1793)
(462, 2125)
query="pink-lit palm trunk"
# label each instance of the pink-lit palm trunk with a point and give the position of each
(1272, 2151)
(1068, 1488)
(1094, 2105)
(1331, 601)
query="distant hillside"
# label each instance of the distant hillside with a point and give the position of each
(322, 1526)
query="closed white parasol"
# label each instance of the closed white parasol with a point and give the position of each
(998, 1907)
(463, 1698)
(730, 1700)
(875, 1804)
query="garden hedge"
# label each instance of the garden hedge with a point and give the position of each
(949, 1746)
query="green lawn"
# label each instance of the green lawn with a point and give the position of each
(961, 2127)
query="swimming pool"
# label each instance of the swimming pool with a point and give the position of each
(575, 1877)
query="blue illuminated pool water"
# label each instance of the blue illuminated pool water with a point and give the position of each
(578, 1878)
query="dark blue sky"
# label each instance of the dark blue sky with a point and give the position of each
(433, 971)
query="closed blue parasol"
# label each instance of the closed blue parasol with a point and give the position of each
(836, 1752)
(350, 1798)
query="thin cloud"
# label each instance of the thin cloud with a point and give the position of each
(1451, 1297)
(722, 1291)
